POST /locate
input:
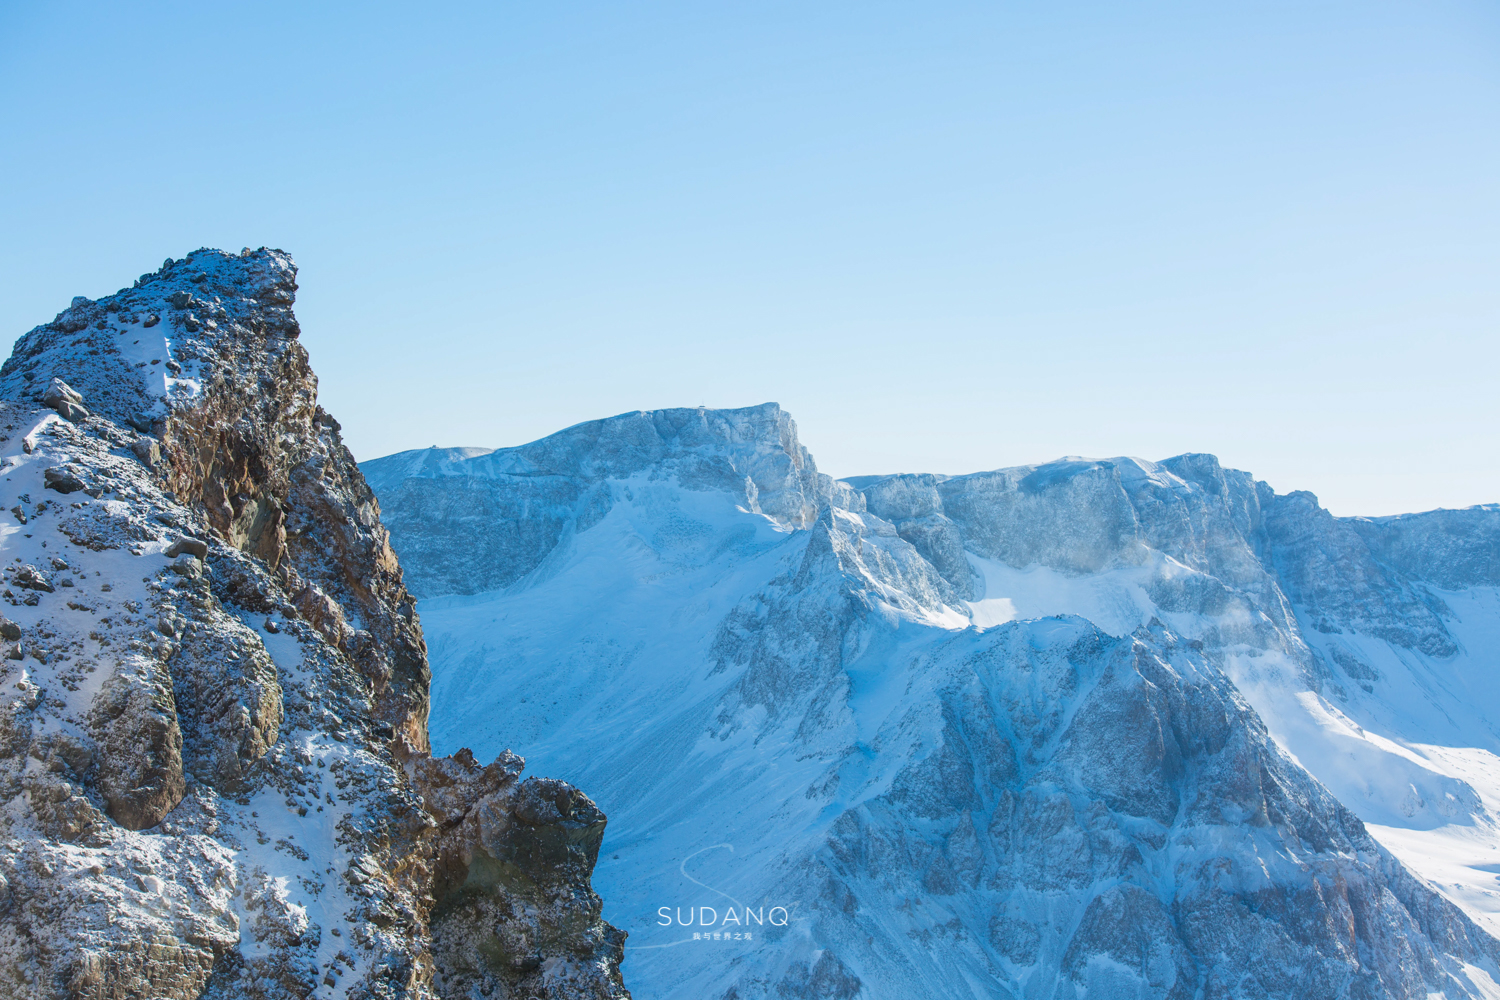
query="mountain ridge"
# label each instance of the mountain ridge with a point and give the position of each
(825, 681)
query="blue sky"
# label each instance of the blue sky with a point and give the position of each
(945, 236)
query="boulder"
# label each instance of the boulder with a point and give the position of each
(187, 543)
(31, 578)
(65, 400)
(57, 390)
(62, 481)
(147, 450)
(186, 565)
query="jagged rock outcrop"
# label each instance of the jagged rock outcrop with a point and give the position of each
(514, 914)
(213, 703)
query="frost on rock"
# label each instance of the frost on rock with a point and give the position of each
(214, 687)
(1091, 728)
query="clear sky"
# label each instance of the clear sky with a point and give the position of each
(946, 236)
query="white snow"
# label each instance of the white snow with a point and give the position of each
(606, 666)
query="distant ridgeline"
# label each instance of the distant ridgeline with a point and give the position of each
(1103, 728)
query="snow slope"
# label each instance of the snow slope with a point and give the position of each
(1083, 727)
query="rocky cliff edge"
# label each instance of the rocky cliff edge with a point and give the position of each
(214, 763)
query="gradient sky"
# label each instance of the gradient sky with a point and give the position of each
(946, 236)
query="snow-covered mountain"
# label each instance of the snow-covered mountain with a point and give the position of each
(1116, 727)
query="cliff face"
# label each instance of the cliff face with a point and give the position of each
(213, 701)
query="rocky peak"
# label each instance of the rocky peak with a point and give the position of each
(236, 798)
(229, 401)
(163, 341)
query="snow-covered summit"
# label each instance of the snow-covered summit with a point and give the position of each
(491, 516)
(752, 451)
(1093, 727)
